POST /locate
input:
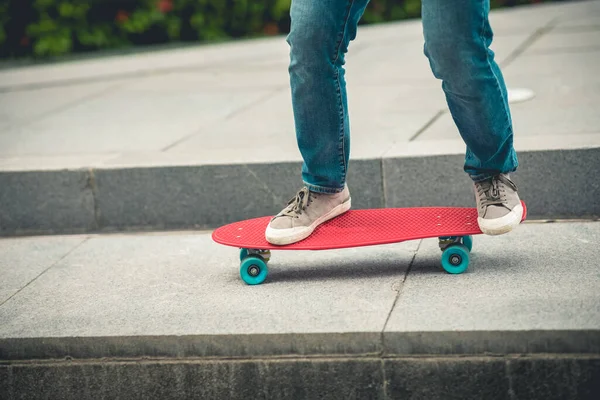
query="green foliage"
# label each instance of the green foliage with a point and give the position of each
(3, 21)
(52, 33)
(46, 28)
(390, 10)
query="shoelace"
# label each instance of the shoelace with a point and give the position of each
(493, 193)
(298, 203)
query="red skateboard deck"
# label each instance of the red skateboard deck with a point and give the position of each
(358, 228)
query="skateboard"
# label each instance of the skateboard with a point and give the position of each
(453, 226)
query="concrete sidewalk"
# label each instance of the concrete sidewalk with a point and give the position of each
(166, 315)
(147, 141)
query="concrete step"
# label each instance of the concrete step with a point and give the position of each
(166, 315)
(197, 137)
(204, 196)
(518, 377)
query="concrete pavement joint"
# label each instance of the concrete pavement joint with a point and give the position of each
(398, 295)
(91, 185)
(384, 379)
(232, 114)
(534, 37)
(511, 390)
(69, 105)
(257, 102)
(44, 271)
(427, 125)
(383, 186)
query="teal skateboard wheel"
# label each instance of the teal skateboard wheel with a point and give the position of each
(253, 270)
(468, 241)
(455, 259)
(243, 254)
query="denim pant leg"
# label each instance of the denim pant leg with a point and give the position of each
(319, 36)
(457, 39)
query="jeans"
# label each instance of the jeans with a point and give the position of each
(457, 38)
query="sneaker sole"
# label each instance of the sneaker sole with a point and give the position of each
(499, 226)
(282, 237)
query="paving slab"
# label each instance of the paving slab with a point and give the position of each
(543, 278)
(269, 122)
(559, 40)
(509, 21)
(23, 260)
(380, 116)
(21, 108)
(582, 24)
(392, 62)
(537, 118)
(127, 120)
(564, 101)
(140, 64)
(180, 295)
(218, 78)
(572, 67)
(173, 286)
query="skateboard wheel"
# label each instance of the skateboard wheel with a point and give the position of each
(253, 270)
(468, 241)
(455, 259)
(243, 254)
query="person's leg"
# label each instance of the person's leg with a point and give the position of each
(457, 39)
(321, 31)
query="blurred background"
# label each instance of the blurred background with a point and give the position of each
(44, 29)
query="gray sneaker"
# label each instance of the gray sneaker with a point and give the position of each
(304, 213)
(498, 205)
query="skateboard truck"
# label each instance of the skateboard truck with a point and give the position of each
(447, 241)
(264, 254)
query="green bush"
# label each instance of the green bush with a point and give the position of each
(54, 27)
(46, 28)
